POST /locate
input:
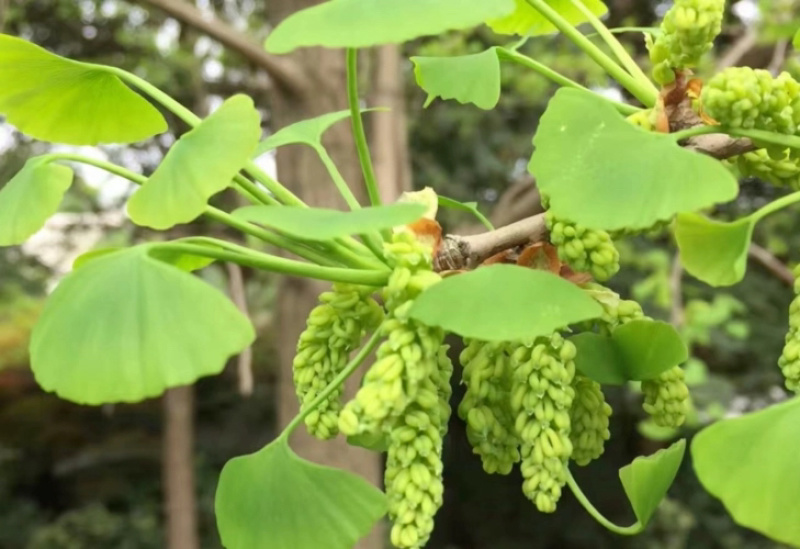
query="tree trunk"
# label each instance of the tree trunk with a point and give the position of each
(300, 169)
(178, 469)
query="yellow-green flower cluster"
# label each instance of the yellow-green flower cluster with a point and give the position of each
(410, 353)
(334, 328)
(782, 171)
(486, 406)
(789, 361)
(616, 310)
(742, 97)
(589, 417)
(687, 32)
(583, 249)
(541, 398)
(414, 468)
(666, 398)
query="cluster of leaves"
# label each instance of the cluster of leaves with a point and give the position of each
(597, 169)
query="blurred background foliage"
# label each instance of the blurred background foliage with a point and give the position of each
(75, 477)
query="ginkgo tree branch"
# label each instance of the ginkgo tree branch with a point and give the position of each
(466, 252)
(283, 71)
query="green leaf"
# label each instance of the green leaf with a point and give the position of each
(527, 21)
(750, 463)
(796, 40)
(325, 224)
(202, 163)
(605, 173)
(714, 251)
(308, 132)
(361, 23)
(648, 429)
(30, 198)
(635, 351)
(466, 78)
(126, 326)
(503, 303)
(273, 499)
(471, 207)
(375, 442)
(647, 479)
(56, 99)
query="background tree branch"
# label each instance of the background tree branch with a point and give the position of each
(284, 72)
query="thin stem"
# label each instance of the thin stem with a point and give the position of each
(631, 530)
(360, 136)
(559, 78)
(351, 367)
(694, 132)
(258, 260)
(616, 47)
(348, 256)
(280, 192)
(255, 191)
(373, 241)
(271, 238)
(642, 93)
(338, 180)
(774, 206)
(168, 102)
(788, 141)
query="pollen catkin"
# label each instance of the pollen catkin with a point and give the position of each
(410, 353)
(782, 171)
(687, 32)
(414, 468)
(589, 418)
(334, 328)
(789, 360)
(666, 398)
(616, 310)
(741, 97)
(541, 398)
(486, 406)
(583, 249)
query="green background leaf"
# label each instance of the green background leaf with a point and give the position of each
(527, 21)
(327, 224)
(466, 78)
(647, 479)
(308, 131)
(750, 463)
(30, 198)
(603, 172)
(125, 327)
(360, 23)
(273, 499)
(471, 207)
(635, 351)
(714, 251)
(202, 163)
(503, 303)
(56, 99)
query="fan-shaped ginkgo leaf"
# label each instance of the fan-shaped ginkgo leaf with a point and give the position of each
(125, 326)
(202, 163)
(30, 198)
(56, 99)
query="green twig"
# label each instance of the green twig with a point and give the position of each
(616, 47)
(359, 134)
(559, 78)
(788, 141)
(694, 132)
(642, 93)
(631, 530)
(351, 367)
(258, 260)
(348, 256)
